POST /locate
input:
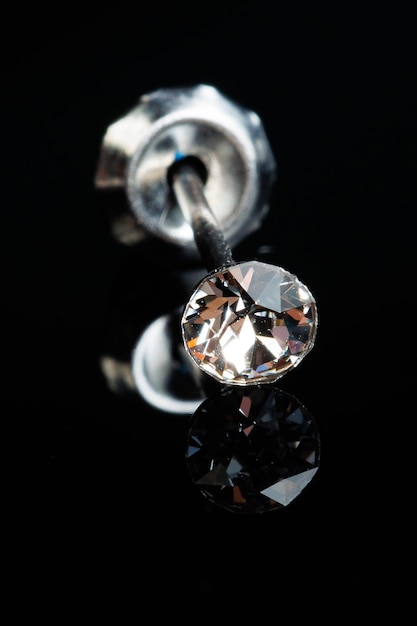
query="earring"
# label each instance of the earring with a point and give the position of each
(197, 170)
(245, 323)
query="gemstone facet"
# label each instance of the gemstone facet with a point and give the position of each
(252, 450)
(249, 323)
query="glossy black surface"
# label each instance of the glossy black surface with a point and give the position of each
(336, 98)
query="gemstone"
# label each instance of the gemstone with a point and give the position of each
(249, 323)
(252, 450)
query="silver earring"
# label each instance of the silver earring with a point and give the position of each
(197, 171)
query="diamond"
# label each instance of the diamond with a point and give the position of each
(249, 323)
(252, 450)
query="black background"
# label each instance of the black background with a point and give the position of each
(103, 473)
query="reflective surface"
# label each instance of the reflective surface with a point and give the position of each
(83, 466)
(252, 451)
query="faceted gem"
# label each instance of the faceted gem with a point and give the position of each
(249, 323)
(252, 450)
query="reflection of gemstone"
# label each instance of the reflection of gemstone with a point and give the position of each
(249, 323)
(253, 450)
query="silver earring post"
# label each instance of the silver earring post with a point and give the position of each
(188, 187)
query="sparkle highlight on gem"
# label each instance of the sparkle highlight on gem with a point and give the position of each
(249, 323)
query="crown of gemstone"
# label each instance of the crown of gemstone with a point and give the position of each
(249, 323)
